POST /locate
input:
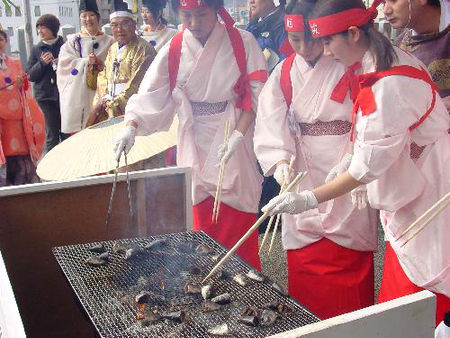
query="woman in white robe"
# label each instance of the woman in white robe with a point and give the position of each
(76, 95)
(315, 130)
(401, 150)
(204, 98)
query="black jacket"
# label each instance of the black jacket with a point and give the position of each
(43, 76)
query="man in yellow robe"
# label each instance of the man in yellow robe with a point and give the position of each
(126, 63)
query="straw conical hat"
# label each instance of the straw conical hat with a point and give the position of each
(89, 152)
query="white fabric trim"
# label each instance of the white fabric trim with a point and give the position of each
(122, 14)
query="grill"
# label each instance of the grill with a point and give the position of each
(107, 292)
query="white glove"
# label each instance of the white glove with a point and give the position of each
(359, 197)
(291, 203)
(125, 141)
(339, 168)
(281, 174)
(226, 150)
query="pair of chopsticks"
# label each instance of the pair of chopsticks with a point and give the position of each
(290, 187)
(278, 217)
(215, 214)
(113, 190)
(423, 221)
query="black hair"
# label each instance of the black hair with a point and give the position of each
(2, 32)
(384, 51)
(50, 21)
(216, 4)
(435, 3)
(303, 7)
(156, 8)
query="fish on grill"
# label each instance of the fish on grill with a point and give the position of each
(104, 256)
(204, 249)
(241, 279)
(268, 317)
(249, 320)
(132, 253)
(207, 291)
(220, 330)
(95, 261)
(222, 299)
(223, 275)
(156, 244)
(217, 257)
(175, 316)
(278, 306)
(256, 276)
(192, 288)
(279, 289)
(208, 306)
(187, 247)
(97, 248)
(250, 311)
(119, 248)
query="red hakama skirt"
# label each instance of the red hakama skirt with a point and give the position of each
(330, 279)
(231, 225)
(396, 284)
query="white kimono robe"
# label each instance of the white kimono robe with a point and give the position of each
(401, 187)
(75, 96)
(278, 136)
(206, 74)
(158, 38)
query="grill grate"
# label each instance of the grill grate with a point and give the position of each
(107, 292)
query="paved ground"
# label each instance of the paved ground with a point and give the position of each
(275, 265)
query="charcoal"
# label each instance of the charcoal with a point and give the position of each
(176, 316)
(249, 320)
(222, 299)
(143, 297)
(97, 248)
(250, 311)
(208, 306)
(156, 244)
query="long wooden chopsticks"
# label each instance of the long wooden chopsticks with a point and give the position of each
(215, 214)
(269, 225)
(425, 219)
(291, 186)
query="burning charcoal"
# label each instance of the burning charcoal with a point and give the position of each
(220, 330)
(207, 291)
(147, 318)
(208, 306)
(249, 320)
(241, 279)
(192, 288)
(194, 270)
(250, 311)
(131, 253)
(217, 257)
(268, 317)
(187, 247)
(156, 244)
(143, 297)
(95, 261)
(98, 248)
(104, 256)
(176, 316)
(223, 275)
(222, 299)
(204, 250)
(119, 248)
(255, 275)
(279, 289)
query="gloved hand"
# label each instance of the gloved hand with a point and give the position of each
(339, 168)
(359, 197)
(281, 174)
(291, 203)
(125, 141)
(226, 150)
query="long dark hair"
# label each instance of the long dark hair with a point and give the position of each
(156, 8)
(3, 33)
(303, 7)
(382, 48)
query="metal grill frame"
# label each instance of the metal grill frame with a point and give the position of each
(104, 291)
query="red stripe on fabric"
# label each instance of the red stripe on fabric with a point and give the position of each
(232, 224)
(286, 48)
(285, 79)
(174, 58)
(347, 83)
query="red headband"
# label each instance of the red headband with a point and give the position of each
(190, 4)
(294, 23)
(341, 21)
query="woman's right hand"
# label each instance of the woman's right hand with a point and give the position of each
(47, 57)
